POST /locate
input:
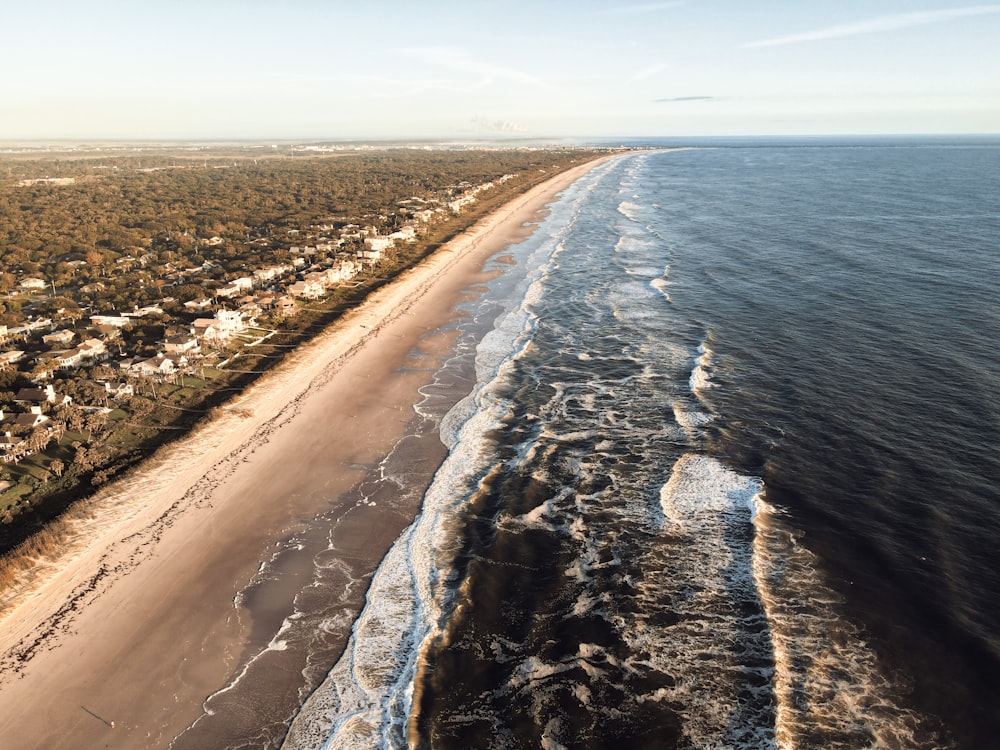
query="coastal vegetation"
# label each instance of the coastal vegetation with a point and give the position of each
(140, 288)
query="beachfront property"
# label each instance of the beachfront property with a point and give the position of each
(307, 289)
(235, 287)
(270, 273)
(182, 344)
(378, 244)
(156, 367)
(404, 234)
(221, 328)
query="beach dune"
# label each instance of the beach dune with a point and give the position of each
(119, 643)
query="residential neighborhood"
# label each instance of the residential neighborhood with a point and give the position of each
(101, 350)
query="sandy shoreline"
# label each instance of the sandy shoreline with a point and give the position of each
(137, 625)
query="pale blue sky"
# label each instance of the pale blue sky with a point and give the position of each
(548, 68)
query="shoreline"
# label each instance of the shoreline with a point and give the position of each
(138, 623)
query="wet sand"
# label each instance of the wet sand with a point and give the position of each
(142, 619)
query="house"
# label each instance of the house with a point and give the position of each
(342, 270)
(286, 306)
(37, 396)
(31, 418)
(10, 357)
(404, 234)
(306, 289)
(270, 273)
(155, 367)
(198, 305)
(228, 291)
(108, 333)
(33, 283)
(178, 359)
(118, 321)
(119, 390)
(322, 279)
(225, 325)
(145, 312)
(93, 349)
(65, 359)
(39, 324)
(12, 448)
(183, 344)
(378, 244)
(58, 338)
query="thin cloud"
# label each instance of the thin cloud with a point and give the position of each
(456, 59)
(687, 99)
(636, 9)
(652, 70)
(879, 24)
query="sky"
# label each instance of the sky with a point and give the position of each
(329, 69)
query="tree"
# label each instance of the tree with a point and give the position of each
(93, 420)
(84, 458)
(57, 467)
(37, 439)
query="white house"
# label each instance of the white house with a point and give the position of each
(198, 305)
(225, 325)
(378, 244)
(93, 349)
(306, 289)
(58, 338)
(118, 321)
(183, 344)
(119, 390)
(12, 448)
(10, 357)
(157, 366)
(404, 234)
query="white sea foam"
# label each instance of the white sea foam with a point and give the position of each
(690, 419)
(662, 285)
(706, 509)
(701, 375)
(630, 210)
(365, 700)
(828, 683)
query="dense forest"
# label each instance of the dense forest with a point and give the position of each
(161, 207)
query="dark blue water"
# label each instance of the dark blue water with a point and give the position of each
(729, 476)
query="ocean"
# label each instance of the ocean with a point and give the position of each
(723, 471)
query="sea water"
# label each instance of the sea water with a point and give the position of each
(726, 478)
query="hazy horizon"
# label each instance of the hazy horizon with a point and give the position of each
(307, 70)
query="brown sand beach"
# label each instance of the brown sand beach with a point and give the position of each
(120, 642)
